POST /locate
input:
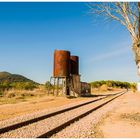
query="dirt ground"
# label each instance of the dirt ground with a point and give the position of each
(124, 121)
(13, 110)
(46, 102)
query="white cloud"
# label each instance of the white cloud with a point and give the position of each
(110, 54)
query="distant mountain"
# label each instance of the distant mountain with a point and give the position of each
(10, 78)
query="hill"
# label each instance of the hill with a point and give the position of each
(12, 78)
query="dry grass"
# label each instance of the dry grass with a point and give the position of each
(132, 117)
(33, 104)
(23, 102)
(104, 87)
(104, 90)
(15, 96)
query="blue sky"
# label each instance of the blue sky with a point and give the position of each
(30, 32)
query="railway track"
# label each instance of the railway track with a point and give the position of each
(47, 125)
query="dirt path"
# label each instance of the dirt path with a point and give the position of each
(124, 121)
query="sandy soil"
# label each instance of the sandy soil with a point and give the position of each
(124, 121)
(13, 110)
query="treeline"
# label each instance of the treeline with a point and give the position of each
(113, 84)
(17, 85)
(96, 84)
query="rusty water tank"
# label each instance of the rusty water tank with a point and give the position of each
(74, 65)
(61, 63)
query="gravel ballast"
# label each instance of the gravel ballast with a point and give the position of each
(84, 128)
(41, 127)
(40, 113)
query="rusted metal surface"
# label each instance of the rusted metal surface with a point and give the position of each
(66, 68)
(74, 65)
(75, 84)
(61, 63)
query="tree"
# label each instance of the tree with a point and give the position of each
(23, 85)
(127, 14)
(48, 85)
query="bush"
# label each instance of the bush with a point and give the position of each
(17, 85)
(24, 86)
(1, 94)
(18, 93)
(10, 95)
(5, 86)
(113, 84)
(104, 87)
(48, 85)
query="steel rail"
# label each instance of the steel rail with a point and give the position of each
(34, 120)
(64, 125)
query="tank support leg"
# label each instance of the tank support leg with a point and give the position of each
(57, 86)
(49, 88)
(54, 86)
(67, 90)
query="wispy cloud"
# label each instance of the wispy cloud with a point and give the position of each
(110, 54)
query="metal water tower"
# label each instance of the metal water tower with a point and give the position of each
(61, 71)
(61, 63)
(74, 65)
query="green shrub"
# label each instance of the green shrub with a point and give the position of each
(48, 85)
(1, 94)
(114, 84)
(23, 85)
